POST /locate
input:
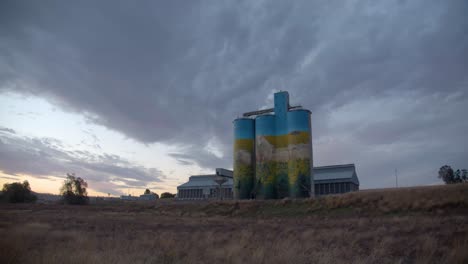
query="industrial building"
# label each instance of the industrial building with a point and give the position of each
(335, 179)
(272, 160)
(327, 180)
(211, 186)
(273, 152)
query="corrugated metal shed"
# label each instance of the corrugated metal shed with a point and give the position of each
(203, 181)
(224, 172)
(336, 173)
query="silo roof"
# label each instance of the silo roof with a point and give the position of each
(300, 109)
(242, 118)
(264, 115)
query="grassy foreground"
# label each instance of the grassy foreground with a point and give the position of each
(410, 225)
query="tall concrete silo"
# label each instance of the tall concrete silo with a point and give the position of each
(281, 156)
(244, 157)
(300, 154)
(265, 169)
(283, 151)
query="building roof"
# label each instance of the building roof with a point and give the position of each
(336, 173)
(224, 172)
(204, 181)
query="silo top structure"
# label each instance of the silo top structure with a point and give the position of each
(273, 152)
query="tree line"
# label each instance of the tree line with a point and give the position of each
(164, 195)
(73, 191)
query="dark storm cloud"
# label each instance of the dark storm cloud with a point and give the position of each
(413, 135)
(180, 72)
(202, 157)
(44, 157)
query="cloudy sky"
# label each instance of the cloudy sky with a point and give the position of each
(133, 95)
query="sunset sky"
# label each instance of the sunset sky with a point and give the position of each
(134, 95)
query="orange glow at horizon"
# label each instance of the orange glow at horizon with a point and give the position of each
(52, 184)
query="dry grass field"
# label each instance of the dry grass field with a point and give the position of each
(410, 225)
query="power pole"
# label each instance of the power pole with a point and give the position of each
(396, 178)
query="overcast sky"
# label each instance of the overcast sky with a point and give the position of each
(133, 95)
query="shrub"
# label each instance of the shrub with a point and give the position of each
(18, 192)
(167, 195)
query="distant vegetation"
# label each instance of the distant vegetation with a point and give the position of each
(165, 195)
(447, 174)
(17, 192)
(147, 192)
(74, 191)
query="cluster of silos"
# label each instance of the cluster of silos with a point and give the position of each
(273, 153)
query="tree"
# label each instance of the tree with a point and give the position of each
(148, 192)
(446, 174)
(165, 195)
(18, 192)
(457, 177)
(73, 190)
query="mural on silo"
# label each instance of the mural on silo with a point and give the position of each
(300, 154)
(265, 177)
(283, 152)
(244, 140)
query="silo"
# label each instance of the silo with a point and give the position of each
(281, 156)
(264, 153)
(300, 154)
(244, 157)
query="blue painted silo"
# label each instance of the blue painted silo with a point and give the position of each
(300, 153)
(244, 157)
(282, 164)
(264, 154)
